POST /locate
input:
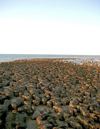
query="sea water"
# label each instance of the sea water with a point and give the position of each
(13, 57)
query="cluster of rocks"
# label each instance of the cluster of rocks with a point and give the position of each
(69, 92)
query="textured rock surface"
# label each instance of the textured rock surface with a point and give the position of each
(48, 93)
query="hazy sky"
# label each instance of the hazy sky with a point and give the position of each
(50, 27)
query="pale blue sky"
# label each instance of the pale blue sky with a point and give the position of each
(50, 26)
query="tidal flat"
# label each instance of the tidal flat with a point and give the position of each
(50, 94)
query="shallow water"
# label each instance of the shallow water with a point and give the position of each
(12, 57)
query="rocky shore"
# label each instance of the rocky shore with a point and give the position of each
(49, 94)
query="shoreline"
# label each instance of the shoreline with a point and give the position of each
(12, 57)
(76, 60)
(49, 93)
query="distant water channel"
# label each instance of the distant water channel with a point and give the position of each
(13, 57)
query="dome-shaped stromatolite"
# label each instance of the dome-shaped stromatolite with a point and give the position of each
(51, 92)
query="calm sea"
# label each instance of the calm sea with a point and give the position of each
(12, 57)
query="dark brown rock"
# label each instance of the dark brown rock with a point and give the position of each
(75, 125)
(36, 102)
(83, 121)
(44, 101)
(46, 121)
(57, 109)
(70, 89)
(9, 119)
(20, 121)
(35, 115)
(9, 94)
(17, 103)
(50, 103)
(64, 101)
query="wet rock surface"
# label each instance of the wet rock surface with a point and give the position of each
(49, 94)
